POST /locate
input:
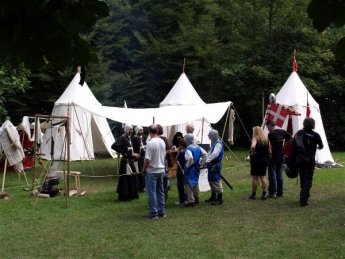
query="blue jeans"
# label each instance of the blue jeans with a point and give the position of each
(275, 177)
(155, 193)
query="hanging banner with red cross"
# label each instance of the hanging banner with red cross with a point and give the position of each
(278, 113)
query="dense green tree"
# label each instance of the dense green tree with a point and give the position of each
(235, 50)
(13, 81)
(327, 13)
(41, 32)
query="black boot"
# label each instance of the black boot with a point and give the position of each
(219, 199)
(212, 198)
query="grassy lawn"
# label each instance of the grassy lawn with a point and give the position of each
(98, 226)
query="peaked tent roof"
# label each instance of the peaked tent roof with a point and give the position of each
(182, 93)
(77, 94)
(295, 94)
(90, 133)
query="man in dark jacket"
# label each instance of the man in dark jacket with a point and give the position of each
(304, 147)
(276, 138)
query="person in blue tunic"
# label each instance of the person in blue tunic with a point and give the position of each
(195, 156)
(214, 167)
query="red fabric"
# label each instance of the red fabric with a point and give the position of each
(287, 145)
(308, 110)
(28, 149)
(277, 113)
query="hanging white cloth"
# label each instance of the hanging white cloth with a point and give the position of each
(231, 127)
(10, 142)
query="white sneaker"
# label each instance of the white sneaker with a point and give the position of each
(178, 203)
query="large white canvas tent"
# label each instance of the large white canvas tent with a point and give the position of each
(90, 133)
(295, 94)
(183, 93)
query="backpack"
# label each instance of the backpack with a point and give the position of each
(50, 186)
(302, 151)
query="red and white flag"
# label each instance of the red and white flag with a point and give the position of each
(278, 113)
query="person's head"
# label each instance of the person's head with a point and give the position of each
(178, 135)
(189, 138)
(213, 135)
(138, 130)
(128, 129)
(258, 133)
(153, 130)
(160, 129)
(177, 138)
(183, 143)
(309, 123)
(189, 128)
(270, 125)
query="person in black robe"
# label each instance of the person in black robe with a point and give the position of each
(139, 147)
(127, 186)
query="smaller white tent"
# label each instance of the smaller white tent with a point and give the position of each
(295, 94)
(183, 93)
(90, 133)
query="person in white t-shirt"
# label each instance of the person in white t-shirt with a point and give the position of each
(154, 167)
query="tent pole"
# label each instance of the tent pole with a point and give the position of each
(226, 121)
(35, 152)
(202, 129)
(68, 158)
(4, 175)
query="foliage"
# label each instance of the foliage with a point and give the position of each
(13, 81)
(97, 226)
(39, 32)
(326, 13)
(235, 50)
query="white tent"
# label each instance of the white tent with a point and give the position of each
(90, 133)
(183, 93)
(295, 94)
(166, 115)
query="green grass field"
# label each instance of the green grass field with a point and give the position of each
(98, 226)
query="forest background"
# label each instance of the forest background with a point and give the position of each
(235, 50)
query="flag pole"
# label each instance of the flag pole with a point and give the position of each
(263, 106)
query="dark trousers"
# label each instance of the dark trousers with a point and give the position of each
(306, 172)
(180, 186)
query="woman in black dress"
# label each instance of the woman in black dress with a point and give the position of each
(259, 158)
(127, 187)
(139, 148)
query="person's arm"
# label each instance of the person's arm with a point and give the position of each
(216, 151)
(252, 147)
(189, 158)
(146, 165)
(203, 157)
(269, 150)
(319, 142)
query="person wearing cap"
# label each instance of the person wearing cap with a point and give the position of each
(214, 167)
(139, 148)
(127, 186)
(276, 139)
(194, 156)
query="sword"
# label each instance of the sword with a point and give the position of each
(225, 181)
